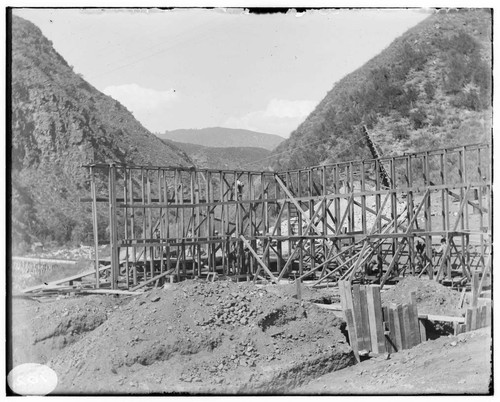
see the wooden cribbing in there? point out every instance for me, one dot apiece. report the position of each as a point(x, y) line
point(405, 329)
point(478, 316)
point(376, 329)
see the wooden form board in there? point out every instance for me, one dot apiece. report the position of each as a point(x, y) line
point(478, 317)
point(404, 329)
point(363, 311)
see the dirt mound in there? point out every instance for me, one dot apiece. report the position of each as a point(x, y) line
point(449, 365)
point(41, 330)
point(432, 297)
point(199, 337)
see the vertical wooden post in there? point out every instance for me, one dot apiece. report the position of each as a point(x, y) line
point(167, 222)
point(324, 212)
point(144, 230)
point(465, 220)
point(312, 243)
point(409, 182)
point(427, 210)
point(132, 226)
point(150, 225)
point(480, 203)
point(363, 199)
point(161, 200)
point(378, 169)
point(350, 183)
point(394, 210)
point(95, 225)
point(115, 265)
point(222, 223)
point(279, 257)
point(210, 225)
point(125, 213)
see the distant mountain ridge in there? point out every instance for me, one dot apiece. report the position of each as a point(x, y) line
point(431, 88)
point(60, 122)
point(225, 158)
point(223, 137)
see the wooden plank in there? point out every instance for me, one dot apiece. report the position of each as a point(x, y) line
point(356, 312)
point(405, 327)
point(392, 327)
point(423, 332)
point(365, 323)
point(110, 291)
point(475, 288)
point(413, 312)
point(488, 316)
point(468, 320)
point(348, 295)
point(482, 319)
point(154, 279)
point(375, 318)
point(352, 333)
point(67, 279)
point(444, 318)
point(389, 345)
point(396, 312)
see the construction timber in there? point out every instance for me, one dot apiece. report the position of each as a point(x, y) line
point(364, 221)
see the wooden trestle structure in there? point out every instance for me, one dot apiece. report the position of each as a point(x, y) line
point(370, 221)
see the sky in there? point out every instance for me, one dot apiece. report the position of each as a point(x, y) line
point(196, 68)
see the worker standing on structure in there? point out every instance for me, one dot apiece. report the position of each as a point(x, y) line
point(239, 186)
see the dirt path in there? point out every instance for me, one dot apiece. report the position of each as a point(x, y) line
point(448, 365)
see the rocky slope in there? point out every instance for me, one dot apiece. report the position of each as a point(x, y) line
point(223, 137)
point(59, 122)
point(430, 88)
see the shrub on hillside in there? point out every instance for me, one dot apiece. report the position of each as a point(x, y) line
point(430, 90)
point(400, 132)
point(418, 118)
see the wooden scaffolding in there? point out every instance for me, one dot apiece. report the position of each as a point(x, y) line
point(369, 221)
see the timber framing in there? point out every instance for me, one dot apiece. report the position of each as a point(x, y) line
point(369, 221)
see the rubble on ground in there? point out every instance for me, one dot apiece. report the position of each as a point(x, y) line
point(198, 337)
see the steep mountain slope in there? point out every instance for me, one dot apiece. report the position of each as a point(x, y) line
point(223, 137)
point(244, 158)
point(60, 122)
point(430, 88)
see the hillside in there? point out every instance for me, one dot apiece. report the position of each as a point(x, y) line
point(430, 88)
point(59, 122)
point(223, 137)
point(237, 158)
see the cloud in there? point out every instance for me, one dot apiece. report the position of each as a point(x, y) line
point(280, 117)
point(289, 109)
point(137, 98)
